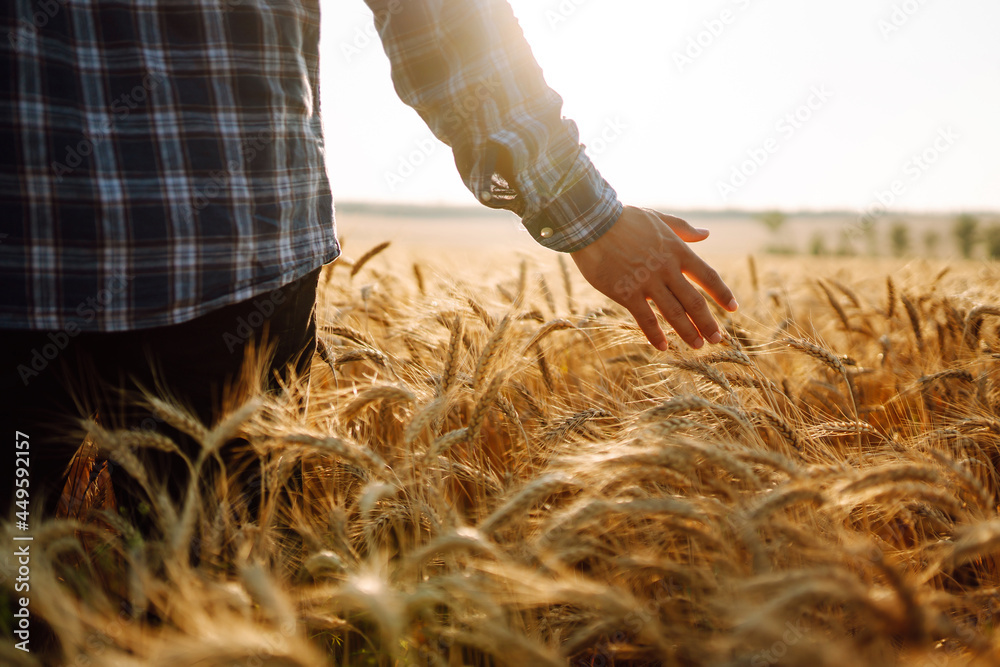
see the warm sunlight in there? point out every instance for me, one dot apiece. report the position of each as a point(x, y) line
point(726, 392)
point(728, 104)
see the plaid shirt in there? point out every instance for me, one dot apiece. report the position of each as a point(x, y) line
point(162, 159)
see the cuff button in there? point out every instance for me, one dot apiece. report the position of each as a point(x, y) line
point(546, 232)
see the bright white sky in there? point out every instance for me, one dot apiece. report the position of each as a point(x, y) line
point(678, 129)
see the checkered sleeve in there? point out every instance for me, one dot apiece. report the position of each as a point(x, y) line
point(467, 70)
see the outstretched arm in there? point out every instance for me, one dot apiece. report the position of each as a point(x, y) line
point(466, 68)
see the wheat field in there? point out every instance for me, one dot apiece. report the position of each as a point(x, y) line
point(499, 470)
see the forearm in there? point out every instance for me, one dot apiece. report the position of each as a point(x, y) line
point(467, 70)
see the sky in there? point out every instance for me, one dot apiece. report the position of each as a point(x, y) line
point(752, 104)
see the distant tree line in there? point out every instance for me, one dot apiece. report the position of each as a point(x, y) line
point(966, 230)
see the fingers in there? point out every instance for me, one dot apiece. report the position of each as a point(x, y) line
point(711, 282)
point(646, 319)
point(683, 228)
point(684, 307)
point(695, 308)
point(680, 315)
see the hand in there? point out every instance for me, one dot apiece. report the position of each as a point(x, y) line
point(645, 256)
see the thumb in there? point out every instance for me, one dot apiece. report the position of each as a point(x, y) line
point(683, 228)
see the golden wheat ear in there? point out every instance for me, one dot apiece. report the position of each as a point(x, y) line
point(88, 486)
point(78, 480)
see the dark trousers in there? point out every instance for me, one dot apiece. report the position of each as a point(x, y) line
point(50, 381)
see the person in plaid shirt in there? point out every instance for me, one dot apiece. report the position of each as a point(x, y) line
point(162, 176)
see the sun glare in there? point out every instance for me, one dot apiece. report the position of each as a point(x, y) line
point(672, 99)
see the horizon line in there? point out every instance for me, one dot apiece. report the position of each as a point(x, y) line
point(453, 208)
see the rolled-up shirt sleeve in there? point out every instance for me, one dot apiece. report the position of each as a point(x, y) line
point(466, 69)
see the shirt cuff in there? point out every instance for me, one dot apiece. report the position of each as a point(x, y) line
point(577, 217)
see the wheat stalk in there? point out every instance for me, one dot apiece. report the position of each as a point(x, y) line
point(890, 298)
point(481, 312)
point(819, 353)
point(178, 418)
point(914, 317)
point(451, 356)
point(424, 417)
point(418, 275)
point(489, 352)
point(483, 405)
point(783, 498)
point(834, 362)
point(361, 261)
point(973, 322)
point(384, 393)
point(832, 300)
point(727, 356)
point(522, 284)
point(521, 502)
point(340, 448)
point(842, 427)
point(343, 331)
point(543, 368)
point(710, 373)
point(567, 284)
point(782, 427)
point(557, 432)
point(545, 330)
point(550, 300)
point(949, 374)
point(361, 354)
